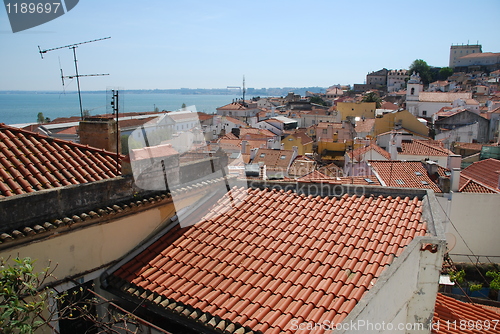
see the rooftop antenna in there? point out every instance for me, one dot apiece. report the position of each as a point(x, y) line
point(77, 75)
point(244, 90)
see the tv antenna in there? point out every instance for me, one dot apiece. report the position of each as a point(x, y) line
point(77, 75)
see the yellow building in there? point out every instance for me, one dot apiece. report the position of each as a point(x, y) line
point(354, 109)
point(299, 139)
point(401, 119)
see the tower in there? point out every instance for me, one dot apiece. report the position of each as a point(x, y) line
point(413, 90)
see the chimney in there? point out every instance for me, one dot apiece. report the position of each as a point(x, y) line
point(253, 153)
point(454, 161)
point(101, 133)
point(295, 153)
point(455, 179)
point(269, 144)
point(262, 172)
point(244, 144)
point(498, 185)
point(282, 146)
point(431, 166)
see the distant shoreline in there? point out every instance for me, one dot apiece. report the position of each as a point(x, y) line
point(188, 91)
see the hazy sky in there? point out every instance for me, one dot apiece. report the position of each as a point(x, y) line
point(212, 44)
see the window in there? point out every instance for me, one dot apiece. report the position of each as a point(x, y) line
point(424, 183)
point(399, 181)
point(262, 155)
point(325, 131)
point(412, 92)
point(369, 180)
point(283, 157)
point(418, 174)
point(424, 112)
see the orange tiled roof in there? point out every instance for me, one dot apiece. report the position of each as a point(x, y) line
point(485, 171)
point(304, 138)
point(273, 158)
point(453, 316)
point(406, 174)
point(31, 162)
point(424, 148)
point(274, 257)
point(362, 150)
point(468, 185)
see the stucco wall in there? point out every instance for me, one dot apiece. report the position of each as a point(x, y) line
point(475, 218)
point(88, 248)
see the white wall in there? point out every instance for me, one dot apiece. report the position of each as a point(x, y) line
point(475, 217)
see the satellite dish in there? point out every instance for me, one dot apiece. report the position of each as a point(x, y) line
point(451, 241)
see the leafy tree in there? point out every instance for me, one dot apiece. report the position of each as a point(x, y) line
point(183, 106)
point(24, 306)
point(420, 66)
point(21, 301)
point(40, 118)
point(372, 97)
point(445, 73)
point(317, 100)
point(86, 113)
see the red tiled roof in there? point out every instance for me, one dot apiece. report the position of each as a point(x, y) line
point(254, 133)
point(406, 174)
point(233, 106)
point(366, 125)
point(276, 256)
point(424, 148)
point(485, 171)
point(273, 158)
point(304, 138)
point(314, 175)
point(453, 316)
point(468, 185)
point(31, 162)
point(363, 150)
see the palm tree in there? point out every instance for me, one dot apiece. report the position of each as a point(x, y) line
point(372, 97)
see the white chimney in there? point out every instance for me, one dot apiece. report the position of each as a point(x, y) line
point(454, 161)
point(244, 144)
point(455, 179)
point(431, 166)
point(269, 143)
point(263, 172)
point(282, 146)
point(253, 153)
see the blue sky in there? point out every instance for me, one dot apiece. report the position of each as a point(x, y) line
point(212, 44)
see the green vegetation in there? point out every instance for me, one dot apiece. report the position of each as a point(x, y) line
point(22, 300)
point(372, 97)
point(317, 100)
point(428, 73)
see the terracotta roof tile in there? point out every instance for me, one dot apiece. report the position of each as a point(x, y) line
point(317, 264)
point(485, 172)
point(406, 174)
point(31, 162)
point(424, 148)
point(453, 316)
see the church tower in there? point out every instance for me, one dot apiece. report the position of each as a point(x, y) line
point(413, 90)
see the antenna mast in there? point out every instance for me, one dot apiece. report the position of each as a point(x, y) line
point(244, 90)
point(77, 76)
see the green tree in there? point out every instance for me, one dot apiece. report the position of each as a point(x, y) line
point(183, 107)
point(372, 97)
point(445, 73)
point(420, 66)
point(24, 306)
point(86, 113)
point(40, 118)
point(317, 100)
point(21, 300)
